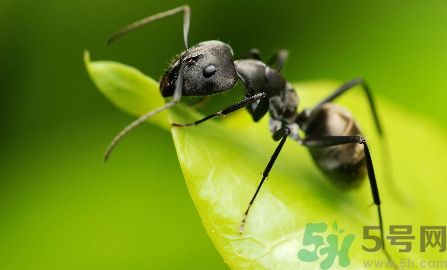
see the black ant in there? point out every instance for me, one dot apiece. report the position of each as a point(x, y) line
point(332, 136)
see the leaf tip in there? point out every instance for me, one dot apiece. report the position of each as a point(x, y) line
point(86, 57)
point(87, 62)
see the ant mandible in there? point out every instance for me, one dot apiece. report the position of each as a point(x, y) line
point(332, 136)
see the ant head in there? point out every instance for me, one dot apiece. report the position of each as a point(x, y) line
point(209, 70)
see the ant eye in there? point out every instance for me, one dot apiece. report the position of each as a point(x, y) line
point(209, 71)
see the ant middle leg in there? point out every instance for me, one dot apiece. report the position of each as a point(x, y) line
point(280, 134)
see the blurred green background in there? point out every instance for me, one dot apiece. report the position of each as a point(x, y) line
point(62, 208)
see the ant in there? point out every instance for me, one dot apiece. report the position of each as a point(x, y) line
point(333, 137)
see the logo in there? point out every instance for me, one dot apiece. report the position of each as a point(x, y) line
point(329, 246)
point(326, 246)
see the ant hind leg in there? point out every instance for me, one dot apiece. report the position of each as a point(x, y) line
point(328, 141)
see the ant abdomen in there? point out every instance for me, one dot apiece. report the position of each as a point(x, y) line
point(343, 164)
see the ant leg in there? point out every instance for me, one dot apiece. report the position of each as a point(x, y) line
point(175, 99)
point(280, 134)
point(341, 90)
point(257, 111)
point(279, 59)
point(327, 141)
point(226, 111)
point(386, 164)
point(138, 24)
point(254, 53)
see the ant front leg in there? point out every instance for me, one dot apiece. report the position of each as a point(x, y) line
point(224, 112)
point(328, 141)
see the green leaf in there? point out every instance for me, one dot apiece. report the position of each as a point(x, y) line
point(126, 87)
point(222, 161)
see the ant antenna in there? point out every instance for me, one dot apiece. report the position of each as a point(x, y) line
point(138, 24)
point(176, 98)
point(179, 83)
